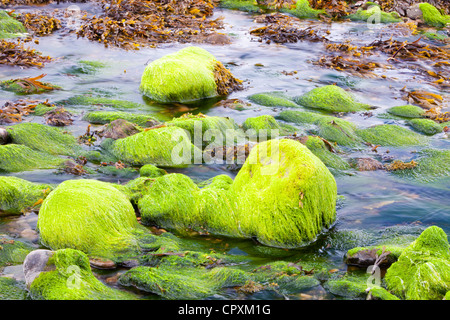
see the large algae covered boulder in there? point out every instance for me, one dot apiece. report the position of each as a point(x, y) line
point(10, 27)
point(330, 98)
point(17, 194)
point(16, 158)
point(163, 147)
point(187, 75)
point(283, 196)
point(65, 275)
point(422, 271)
point(91, 216)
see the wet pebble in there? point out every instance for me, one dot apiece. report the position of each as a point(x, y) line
point(4, 136)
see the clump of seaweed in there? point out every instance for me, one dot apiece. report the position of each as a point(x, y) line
point(15, 54)
point(40, 24)
point(225, 81)
point(12, 112)
point(29, 85)
point(58, 117)
point(400, 165)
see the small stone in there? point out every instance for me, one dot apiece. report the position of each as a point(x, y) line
point(4, 136)
point(368, 164)
point(29, 234)
point(35, 263)
point(100, 263)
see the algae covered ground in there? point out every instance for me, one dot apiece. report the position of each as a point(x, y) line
point(224, 150)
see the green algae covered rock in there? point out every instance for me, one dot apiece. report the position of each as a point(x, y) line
point(17, 194)
point(284, 196)
point(12, 252)
point(407, 111)
point(391, 135)
point(432, 16)
point(87, 100)
point(187, 75)
point(44, 138)
point(330, 128)
point(241, 5)
point(332, 160)
point(105, 117)
point(11, 289)
point(422, 271)
point(90, 216)
point(17, 158)
point(303, 10)
point(330, 98)
point(67, 275)
point(164, 147)
point(150, 171)
point(10, 27)
point(263, 126)
point(374, 14)
point(425, 126)
point(363, 256)
point(272, 99)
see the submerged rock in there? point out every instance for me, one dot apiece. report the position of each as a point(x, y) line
point(187, 75)
point(11, 289)
point(284, 196)
point(12, 252)
point(90, 216)
point(17, 194)
point(273, 99)
point(65, 275)
point(422, 271)
point(425, 126)
point(105, 117)
point(391, 135)
point(330, 98)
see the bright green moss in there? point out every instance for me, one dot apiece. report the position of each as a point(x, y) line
point(391, 135)
point(16, 194)
point(330, 128)
point(447, 296)
point(11, 289)
point(17, 158)
point(10, 27)
point(432, 165)
point(303, 10)
point(435, 36)
point(104, 117)
point(84, 100)
point(272, 99)
point(241, 5)
point(12, 252)
point(71, 278)
point(150, 171)
point(44, 138)
point(407, 111)
point(432, 16)
point(91, 216)
point(283, 195)
point(163, 147)
point(422, 271)
point(425, 126)
point(330, 98)
point(42, 109)
point(184, 76)
point(375, 15)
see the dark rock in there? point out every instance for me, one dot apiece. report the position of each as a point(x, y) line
point(101, 263)
point(119, 129)
point(35, 263)
point(4, 136)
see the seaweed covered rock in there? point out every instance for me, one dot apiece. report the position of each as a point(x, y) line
point(12, 252)
point(284, 196)
point(10, 289)
point(17, 194)
point(330, 128)
point(10, 27)
point(17, 158)
point(151, 171)
point(374, 14)
point(89, 100)
point(165, 147)
point(425, 126)
point(105, 117)
point(432, 16)
point(391, 135)
point(187, 75)
point(303, 10)
point(264, 127)
point(44, 138)
point(422, 271)
point(241, 5)
point(407, 111)
point(272, 99)
point(90, 216)
point(330, 98)
point(65, 275)
point(366, 256)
